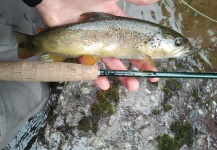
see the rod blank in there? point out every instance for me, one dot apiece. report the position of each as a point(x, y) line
point(152, 74)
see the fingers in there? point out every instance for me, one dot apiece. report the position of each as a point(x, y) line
point(144, 65)
point(131, 83)
point(142, 2)
point(102, 82)
point(118, 11)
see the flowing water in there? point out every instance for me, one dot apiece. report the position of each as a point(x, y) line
point(202, 33)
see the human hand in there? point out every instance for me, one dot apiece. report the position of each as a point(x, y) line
point(59, 12)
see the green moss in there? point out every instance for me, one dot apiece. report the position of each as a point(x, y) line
point(178, 63)
point(111, 94)
point(84, 124)
point(105, 104)
point(102, 107)
point(183, 134)
point(65, 129)
point(173, 84)
point(51, 118)
point(94, 127)
point(195, 93)
point(167, 107)
point(88, 123)
point(157, 64)
point(40, 135)
point(171, 87)
point(164, 69)
point(165, 142)
point(104, 101)
point(156, 112)
point(165, 89)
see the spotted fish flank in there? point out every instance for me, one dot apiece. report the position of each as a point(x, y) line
point(104, 35)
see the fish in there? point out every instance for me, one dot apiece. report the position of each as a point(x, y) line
point(96, 35)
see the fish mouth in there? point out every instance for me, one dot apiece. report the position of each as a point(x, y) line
point(181, 52)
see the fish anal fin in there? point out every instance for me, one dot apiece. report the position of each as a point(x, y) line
point(52, 57)
point(94, 16)
point(149, 60)
point(88, 60)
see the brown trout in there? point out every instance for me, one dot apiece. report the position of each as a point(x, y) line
point(97, 35)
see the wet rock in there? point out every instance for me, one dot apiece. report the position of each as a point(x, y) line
point(172, 114)
point(87, 117)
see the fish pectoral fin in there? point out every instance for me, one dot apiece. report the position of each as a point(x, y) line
point(149, 60)
point(52, 57)
point(94, 16)
point(88, 60)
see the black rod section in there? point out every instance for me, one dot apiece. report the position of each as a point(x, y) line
point(152, 74)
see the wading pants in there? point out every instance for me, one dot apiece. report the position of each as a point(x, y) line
point(18, 100)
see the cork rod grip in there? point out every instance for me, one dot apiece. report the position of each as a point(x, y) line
point(46, 71)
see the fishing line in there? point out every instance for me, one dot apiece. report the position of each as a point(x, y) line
point(198, 11)
point(194, 33)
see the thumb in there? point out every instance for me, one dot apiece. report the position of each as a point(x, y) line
point(119, 12)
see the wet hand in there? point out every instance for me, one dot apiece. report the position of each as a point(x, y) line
point(68, 11)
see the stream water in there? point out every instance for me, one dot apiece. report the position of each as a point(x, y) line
point(198, 29)
point(202, 33)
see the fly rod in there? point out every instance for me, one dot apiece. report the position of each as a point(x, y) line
point(29, 71)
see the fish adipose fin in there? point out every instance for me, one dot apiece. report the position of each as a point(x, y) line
point(94, 16)
point(52, 57)
point(88, 60)
point(149, 60)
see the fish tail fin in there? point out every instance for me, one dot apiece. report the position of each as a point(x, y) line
point(23, 51)
point(21, 37)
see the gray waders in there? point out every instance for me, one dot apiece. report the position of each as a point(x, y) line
point(18, 100)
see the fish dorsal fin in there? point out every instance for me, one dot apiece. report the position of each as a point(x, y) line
point(95, 16)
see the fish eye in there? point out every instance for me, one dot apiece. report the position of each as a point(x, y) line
point(178, 41)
